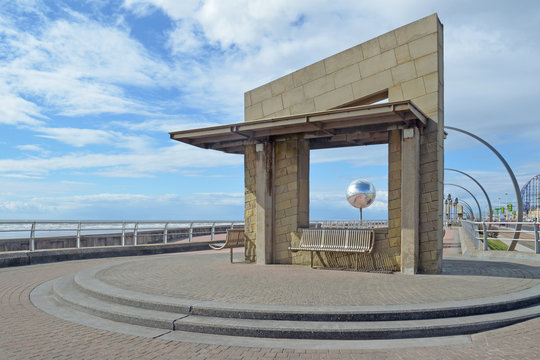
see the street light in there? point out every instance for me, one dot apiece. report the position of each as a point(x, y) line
point(455, 209)
point(507, 217)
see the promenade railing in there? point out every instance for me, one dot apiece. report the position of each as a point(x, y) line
point(29, 235)
point(349, 224)
point(481, 232)
point(31, 232)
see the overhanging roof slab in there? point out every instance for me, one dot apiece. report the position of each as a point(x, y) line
point(351, 126)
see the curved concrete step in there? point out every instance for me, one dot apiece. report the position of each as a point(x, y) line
point(65, 292)
point(68, 290)
point(87, 282)
point(354, 330)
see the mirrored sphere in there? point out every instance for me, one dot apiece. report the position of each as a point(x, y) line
point(361, 193)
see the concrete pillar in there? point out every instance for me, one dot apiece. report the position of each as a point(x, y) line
point(264, 208)
point(410, 200)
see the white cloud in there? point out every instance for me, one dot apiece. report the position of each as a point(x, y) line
point(175, 9)
point(168, 159)
point(166, 125)
point(31, 147)
point(75, 67)
point(78, 137)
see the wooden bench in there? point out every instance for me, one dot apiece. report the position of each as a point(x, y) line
point(336, 240)
point(234, 238)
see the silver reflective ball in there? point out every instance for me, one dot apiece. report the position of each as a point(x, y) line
point(361, 193)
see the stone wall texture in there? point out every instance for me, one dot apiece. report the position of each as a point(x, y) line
point(249, 209)
point(291, 194)
point(403, 64)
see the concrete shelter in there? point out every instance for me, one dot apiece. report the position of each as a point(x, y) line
point(336, 102)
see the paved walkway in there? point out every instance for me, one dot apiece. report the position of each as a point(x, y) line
point(28, 333)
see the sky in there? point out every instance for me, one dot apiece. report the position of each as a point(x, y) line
point(90, 89)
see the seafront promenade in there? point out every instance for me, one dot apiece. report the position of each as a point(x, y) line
point(28, 332)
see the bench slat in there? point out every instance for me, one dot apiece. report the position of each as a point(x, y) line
point(340, 240)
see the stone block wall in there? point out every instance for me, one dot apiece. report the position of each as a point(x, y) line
point(403, 64)
point(394, 189)
point(249, 209)
point(291, 194)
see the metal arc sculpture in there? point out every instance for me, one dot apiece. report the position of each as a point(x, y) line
point(514, 182)
point(481, 187)
point(470, 193)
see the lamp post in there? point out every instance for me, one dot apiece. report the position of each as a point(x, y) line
point(455, 209)
point(449, 209)
point(507, 215)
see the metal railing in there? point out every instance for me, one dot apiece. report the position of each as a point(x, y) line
point(348, 224)
point(479, 232)
point(32, 231)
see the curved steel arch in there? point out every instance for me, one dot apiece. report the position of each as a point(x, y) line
point(514, 182)
point(481, 187)
point(470, 193)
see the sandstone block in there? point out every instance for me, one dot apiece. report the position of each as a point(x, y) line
point(319, 86)
point(395, 93)
point(309, 73)
point(282, 84)
point(426, 64)
point(293, 96)
point(334, 98)
point(424, 46)
point(371, 48)
point(404, 72)
point(378, 63)
point(387, 41)
point(372, 84)
point(272, 105)
point(413, 88)
point(343, 59)
point(402, 54)
point(261, 93)
point(347, 75)
point(417, 29)
point(253, 112)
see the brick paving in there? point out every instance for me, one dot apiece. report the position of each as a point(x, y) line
point(28, 333)
point(211, 277)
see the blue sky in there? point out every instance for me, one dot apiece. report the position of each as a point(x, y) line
point(90, 89)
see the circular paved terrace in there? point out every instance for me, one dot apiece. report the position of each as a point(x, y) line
point(211, 277)
point(27, 332)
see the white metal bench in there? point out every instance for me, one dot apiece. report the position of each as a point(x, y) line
point(234, 238)
point(336, 240)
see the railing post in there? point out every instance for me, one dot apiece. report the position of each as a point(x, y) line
point(135, 229)
point(32, 237)
point(79, 235)
point(165, 233)
point(485, 236)
point(190, 232)
point(123, 234)
point(213, 231)
point(536, 239)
